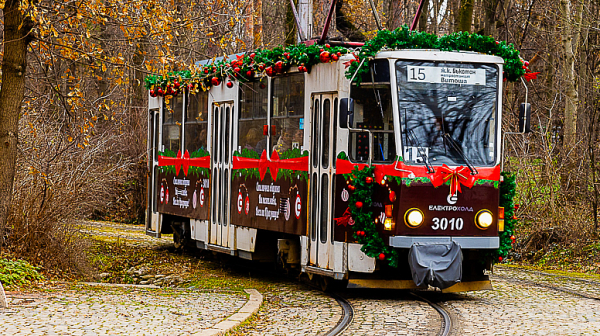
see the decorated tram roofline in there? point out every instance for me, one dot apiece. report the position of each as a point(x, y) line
point(279, 60)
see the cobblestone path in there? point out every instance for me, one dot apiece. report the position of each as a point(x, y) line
point(128, 311)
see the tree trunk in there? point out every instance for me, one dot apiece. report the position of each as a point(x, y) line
point(344, 26)
point(489, 25)
point(423, 16)
point(16, 38)
point(257, 24)
point(464, 16)
point(570, 39)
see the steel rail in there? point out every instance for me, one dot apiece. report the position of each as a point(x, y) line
point(345, 320)
point(446, 320)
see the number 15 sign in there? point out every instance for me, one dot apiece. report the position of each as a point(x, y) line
point(445, 75)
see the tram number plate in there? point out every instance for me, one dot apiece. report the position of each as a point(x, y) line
point(445, 223)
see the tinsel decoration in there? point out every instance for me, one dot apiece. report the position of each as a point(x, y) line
point(404, 38)
point(365, 228)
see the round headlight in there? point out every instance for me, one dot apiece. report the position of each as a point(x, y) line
point(413, 218)
point(483, 219)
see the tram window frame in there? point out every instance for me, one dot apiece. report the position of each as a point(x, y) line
point(172, 119)
point(253, 116)
point(287, 113)
point(385, 129)
point(196, 102)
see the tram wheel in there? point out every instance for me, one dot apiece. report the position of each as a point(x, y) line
point(181, 235)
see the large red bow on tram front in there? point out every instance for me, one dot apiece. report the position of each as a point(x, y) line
point(460, 175)
point(272, 165)
point(184, 161)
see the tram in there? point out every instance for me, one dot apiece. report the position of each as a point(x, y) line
point(263, 170)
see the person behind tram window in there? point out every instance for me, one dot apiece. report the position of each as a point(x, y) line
point(284, 142)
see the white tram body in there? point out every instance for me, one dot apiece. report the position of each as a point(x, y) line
point(257, 165)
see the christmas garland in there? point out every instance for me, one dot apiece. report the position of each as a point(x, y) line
point(365, 228)
point(507, 194)
point(280, 59)
point(404, 38)
point(243, 68)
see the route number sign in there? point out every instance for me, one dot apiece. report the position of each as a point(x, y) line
point(445, 75)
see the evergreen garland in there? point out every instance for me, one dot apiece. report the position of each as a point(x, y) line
point(365, 229)
point(507, 194)
point(280, 59)
point(404, 38)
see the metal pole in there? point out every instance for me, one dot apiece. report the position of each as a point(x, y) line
point(328, 21)
point(379, 27)
point(416, 19)
point(297, 19)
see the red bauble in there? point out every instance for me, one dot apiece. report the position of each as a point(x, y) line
point(381, 256)
point(215, 81)
point(368, 179)
point(351, 187)
point(526, 63)
point(516, 207)
point(176, 85)
point(249, 74)
point(261, 67)
point(152, 93)
point(229, 84)
point(206, 70)
point(301, 68)
point(339, 54)
point(252, 55)
point(327, 46)
point(359, 204)
point(334, 57)
point(392, 196)
point(190, 86)
point(236, 69)
point(278, 66)
point(500, 258)
point(324, 57)
point(269, 71)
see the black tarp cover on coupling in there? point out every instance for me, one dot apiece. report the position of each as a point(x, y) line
point(438, 265)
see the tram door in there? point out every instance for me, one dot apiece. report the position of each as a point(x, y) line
point(222, 113)
point(321, 249)
point(152, 216)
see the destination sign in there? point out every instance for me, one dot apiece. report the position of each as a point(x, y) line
point(445, 75)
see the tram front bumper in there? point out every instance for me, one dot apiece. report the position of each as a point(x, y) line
point(477, 243)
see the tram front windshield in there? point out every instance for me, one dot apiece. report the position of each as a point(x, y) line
point(448, 112)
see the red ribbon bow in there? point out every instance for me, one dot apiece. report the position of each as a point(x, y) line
point(345, 219)
point(460, 175)
point(184, 161)
point(272, 165)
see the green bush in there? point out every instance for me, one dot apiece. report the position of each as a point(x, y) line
point(18, 272)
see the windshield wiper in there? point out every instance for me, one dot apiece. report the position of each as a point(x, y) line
point(413, 141)
point(457, 148)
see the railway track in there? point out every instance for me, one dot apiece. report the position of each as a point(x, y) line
point(446, 320)
point(345, 320)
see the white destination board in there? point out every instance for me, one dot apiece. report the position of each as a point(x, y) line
point(445, 75)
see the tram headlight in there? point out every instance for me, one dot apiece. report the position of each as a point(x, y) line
point(413, 218)
point(484, 219)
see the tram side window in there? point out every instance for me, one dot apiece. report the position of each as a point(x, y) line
point(196, 123)
point(253, 117)
point(171, 132)
point(373, 112)
point(287, 114)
